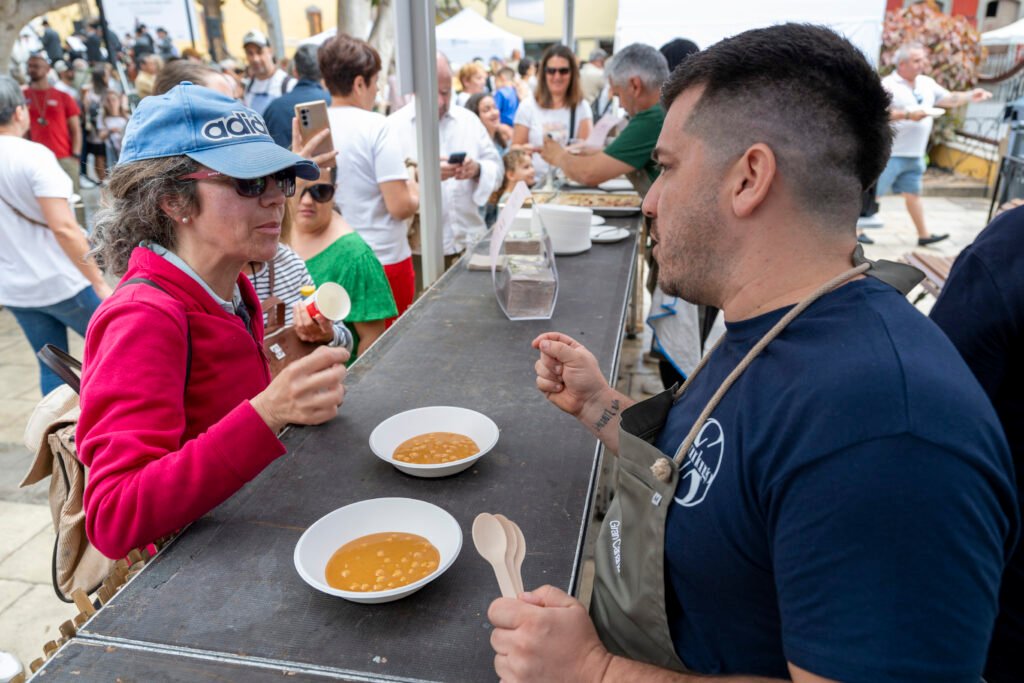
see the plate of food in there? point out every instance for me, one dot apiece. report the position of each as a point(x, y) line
point(435, 441)
point(378, 550)
point(934, 111)
point(605, 204)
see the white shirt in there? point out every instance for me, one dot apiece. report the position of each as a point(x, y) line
point(260, 93)
point(541, 121)
point(367, 156)
point(911, 137)
point(34, 270)
point(459, 131)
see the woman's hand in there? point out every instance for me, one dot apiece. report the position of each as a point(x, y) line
point(309, 329)
point(307, 392)
point(306, 149)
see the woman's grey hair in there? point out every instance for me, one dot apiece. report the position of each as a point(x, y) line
point(11, 98)
point(903, 53)
point(642, 61)
point(132, 210)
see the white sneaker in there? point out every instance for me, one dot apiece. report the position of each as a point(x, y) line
point(10, 666)
point(652, 385)
point(872, 221)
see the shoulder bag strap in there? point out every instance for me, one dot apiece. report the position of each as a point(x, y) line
point(572, 124)
point(188, 328)
point(63, 364)
point(22, 216)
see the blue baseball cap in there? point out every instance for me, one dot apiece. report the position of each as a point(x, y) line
point(211, 128)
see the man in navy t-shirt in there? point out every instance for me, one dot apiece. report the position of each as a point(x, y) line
point(847, 508)
point(981, 309)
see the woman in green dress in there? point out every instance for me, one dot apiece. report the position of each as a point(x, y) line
point(334, 252)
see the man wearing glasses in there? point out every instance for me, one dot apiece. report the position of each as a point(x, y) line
point(915, 98)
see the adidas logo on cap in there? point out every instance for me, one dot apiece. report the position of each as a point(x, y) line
point(239, 125)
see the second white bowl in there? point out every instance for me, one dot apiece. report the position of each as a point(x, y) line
point(393, 431)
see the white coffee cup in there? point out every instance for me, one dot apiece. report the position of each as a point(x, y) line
point(329, 300)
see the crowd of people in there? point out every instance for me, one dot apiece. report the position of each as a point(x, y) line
point(838, 505)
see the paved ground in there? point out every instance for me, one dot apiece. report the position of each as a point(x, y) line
point(29, 610)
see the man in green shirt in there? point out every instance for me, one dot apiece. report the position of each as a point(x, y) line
point(635, 75)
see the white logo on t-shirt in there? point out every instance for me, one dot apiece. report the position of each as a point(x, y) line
point(700, 467)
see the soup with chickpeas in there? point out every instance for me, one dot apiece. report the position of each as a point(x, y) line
point(380, 562)
point(436, 448)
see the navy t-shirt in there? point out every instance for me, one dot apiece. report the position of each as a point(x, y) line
point(981, 309)
point(848, 506)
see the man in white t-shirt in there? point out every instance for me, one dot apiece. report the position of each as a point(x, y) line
point(266, 82)
point(465, 186)
point(914, 97)
point(45, 279)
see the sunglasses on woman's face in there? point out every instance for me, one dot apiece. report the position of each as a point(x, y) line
point(251, 187)
point(321, 193)
point(561, 70)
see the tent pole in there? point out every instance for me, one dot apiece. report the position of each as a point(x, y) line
point(569, 24)
point(424, 69)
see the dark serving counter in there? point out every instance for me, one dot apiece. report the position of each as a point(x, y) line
point(224, 600)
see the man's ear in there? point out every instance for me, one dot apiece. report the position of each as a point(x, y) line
point(751, 178)
point(636, 85)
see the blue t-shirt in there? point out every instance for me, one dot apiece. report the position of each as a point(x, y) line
point(848, 506)
point(281, 111)
point(507, 101)
point(981, 310)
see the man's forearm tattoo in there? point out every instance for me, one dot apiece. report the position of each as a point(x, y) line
point(607, 414)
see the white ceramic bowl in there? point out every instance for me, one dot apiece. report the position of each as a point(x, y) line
point(390, 434)
point(567, 226)
point(378, 515)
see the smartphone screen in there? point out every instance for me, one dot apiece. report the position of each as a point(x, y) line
point(456, 158)
point(312, 118)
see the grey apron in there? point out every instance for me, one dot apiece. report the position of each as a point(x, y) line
point(628, 603)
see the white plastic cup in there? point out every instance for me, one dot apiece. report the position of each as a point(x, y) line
point(329, 300)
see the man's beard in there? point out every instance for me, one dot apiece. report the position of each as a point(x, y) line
point(697, 264)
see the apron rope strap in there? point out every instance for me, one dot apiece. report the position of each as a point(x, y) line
point(661, 467)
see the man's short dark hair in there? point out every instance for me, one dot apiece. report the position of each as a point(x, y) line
point(305, 63)
point(342, 58)
point(524, 65)
point(804, 91)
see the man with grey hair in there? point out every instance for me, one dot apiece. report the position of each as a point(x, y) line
point(592, 75)
point(914, 99)
point(281, 111)
point(635, 75)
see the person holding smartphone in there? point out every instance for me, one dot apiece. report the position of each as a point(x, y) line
point(376, 196)
point(280, 112)
point(471, 169)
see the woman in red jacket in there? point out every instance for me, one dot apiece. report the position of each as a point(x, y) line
point(178, 410)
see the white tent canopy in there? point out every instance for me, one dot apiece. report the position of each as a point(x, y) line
point(655, 22)
point(468, 35)
point(1007, 35)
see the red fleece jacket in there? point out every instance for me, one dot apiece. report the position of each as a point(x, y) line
point(162, 454)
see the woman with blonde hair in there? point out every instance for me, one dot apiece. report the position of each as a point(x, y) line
point(558, 108)
point(473, 78)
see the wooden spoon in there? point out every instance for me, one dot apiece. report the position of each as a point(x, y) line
point(511, 551)
point(517, 563)
point(491, 542)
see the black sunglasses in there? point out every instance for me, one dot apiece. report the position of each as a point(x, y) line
point(552, 70)
point(321, 193)
point(252, 187)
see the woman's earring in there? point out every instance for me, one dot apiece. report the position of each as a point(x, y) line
point(184, 219)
